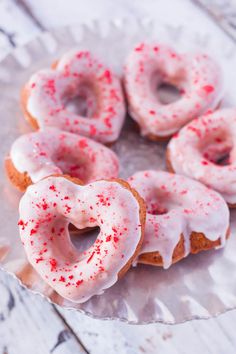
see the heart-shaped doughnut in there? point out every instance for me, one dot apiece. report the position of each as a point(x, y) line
point(197, 78)
point(183, 216)
point(40, 154)
point(47, 97)
point(47, 208)
point(205, 149)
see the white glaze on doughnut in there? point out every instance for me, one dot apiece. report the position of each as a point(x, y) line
point(53, 151)
point(47, 208)
point(78, 74)
point(178, 205)
point(197, 77)
point(194, 149)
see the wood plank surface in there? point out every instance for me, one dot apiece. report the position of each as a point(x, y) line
point(28, 323)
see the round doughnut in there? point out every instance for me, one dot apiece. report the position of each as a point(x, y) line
point(183, 217)
point(47, 208)
point(37, 155)
point(196, 76)
point(205, 150)
point(47, 97)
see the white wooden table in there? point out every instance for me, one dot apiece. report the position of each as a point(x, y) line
point(28, 324)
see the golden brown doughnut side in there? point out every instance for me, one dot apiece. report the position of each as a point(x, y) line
point(150, 136)
point(23, 100)
point(154, 258)
point(231, 206)
point(198, 242)
point(72, 179)
point(157, 138)
point(168, 163)
point(142, 216)
point(20, 180)
point(54, 64)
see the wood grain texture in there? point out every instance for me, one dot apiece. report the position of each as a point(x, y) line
point(15, 26)
point(28, 324)
point(192, 337)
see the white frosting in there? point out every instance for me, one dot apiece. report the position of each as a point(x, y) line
point(47, 208)
point(198, 145)
point(78, 74)
point(177, 205)
point(197, 77)
point(53, 151)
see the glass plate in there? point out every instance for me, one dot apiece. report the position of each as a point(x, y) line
point(200, 286)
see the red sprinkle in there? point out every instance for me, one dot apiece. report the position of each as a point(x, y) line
point(52, 188)
point(44, 205)
point(79, 282)
point(175, 135)
point(89, 259)
point(62, 279)
point(22, 224)
point(204, 162)
point(139, 48)
point(93, 130)
point(107, 75)
point(53, 264)
point(195, 130)
point(32, 231)
point(208, 88)
point(50, 87)
point(218, 140)
point(83, 144)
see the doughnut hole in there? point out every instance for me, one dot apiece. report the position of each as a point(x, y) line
point(81, 99)
point(83, 239)
point(160, 201)
point(168, 93)
point(168, 90)
point(217, 149)
point(73, 164)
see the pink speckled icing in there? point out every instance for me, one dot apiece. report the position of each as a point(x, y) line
point(78, 74)
point(47, 208)
point(53, 151)
point(198, 147)
point(197, 77)
point(178, 205)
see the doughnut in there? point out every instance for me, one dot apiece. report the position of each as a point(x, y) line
point(47, 208)
point(197, 78)
point(183, 217)
point(39, 154)
point(47, 97)
point(205, 150)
